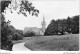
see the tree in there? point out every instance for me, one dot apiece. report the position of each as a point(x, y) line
point(6, 43)
point(75, 24)
point(4, 4)
point(64, 26)
point(60, 27)
point(18, 35)
point(23, 6)
point(29, 34)
point(52, 28)
point(68, 21)
point(7, 31)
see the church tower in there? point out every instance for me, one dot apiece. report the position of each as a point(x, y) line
point(43, 23)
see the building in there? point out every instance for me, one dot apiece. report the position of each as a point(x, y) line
point(43, 23)
point(37, 31)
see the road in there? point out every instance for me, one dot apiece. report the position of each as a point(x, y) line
point(20, 47)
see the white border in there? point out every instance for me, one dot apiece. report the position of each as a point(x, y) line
point(40, 52)
point(45, 52)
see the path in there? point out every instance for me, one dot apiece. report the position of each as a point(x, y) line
point(20, 47)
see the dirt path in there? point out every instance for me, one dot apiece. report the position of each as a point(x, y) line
point(20, 47)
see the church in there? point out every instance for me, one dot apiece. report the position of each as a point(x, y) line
point(37, 31)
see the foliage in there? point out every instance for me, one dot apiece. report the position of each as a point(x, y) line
point(29, 34)
point(6, 43)
point(8, 32)
point(4, 4)
point(27, 6)
point(63, 26)
point(23, 6)
point(18, 35)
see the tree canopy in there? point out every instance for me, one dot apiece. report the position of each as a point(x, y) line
point(8, 32)
point(60, 26)
point(21, 6)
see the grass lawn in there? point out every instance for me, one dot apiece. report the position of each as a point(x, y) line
point(52, 43)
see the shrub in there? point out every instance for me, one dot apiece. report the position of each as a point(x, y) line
point(29, 34)
point(17, 36)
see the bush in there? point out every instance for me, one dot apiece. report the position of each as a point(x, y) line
point(29, 34)
point(17, 36)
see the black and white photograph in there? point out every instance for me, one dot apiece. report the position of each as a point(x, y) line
point(39, 25)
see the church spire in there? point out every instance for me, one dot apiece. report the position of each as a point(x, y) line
point(43, 24)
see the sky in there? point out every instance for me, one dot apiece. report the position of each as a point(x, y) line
point(49, 9)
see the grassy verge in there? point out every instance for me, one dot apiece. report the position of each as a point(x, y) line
point(53, 43)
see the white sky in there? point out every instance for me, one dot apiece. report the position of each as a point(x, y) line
point(52, 9)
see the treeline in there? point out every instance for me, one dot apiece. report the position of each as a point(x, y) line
point(63, 26)
point(9, 33)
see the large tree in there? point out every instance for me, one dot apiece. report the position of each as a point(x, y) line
point(6, 30)
point(22, 7)
point(69, 25)
point(6, 43)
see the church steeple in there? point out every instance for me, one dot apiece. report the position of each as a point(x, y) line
point(43, 24)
